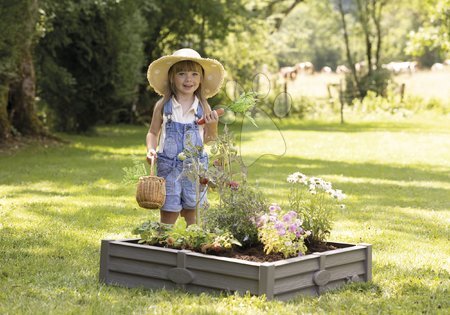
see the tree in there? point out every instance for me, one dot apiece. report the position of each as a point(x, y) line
point(434, 34)
point(18, 113)
point(90, 60)
point(368, 13)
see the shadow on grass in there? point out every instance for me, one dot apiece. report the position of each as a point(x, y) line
point(292, 124)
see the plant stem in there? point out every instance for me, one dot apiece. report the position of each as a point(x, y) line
point(197, 195)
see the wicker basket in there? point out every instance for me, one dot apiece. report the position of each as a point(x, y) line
point(151, 190)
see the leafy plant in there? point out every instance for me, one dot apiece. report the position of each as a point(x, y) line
point(314, 199)
point(239, 203)
point(182, 236)
point(243, 104)
point(132, 173)
point(237, 212)
point(282, 232)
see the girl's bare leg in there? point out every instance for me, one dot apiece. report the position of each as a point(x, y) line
point(168, 217)
point(188, 215)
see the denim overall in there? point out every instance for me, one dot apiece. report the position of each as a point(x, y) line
point(180, 190)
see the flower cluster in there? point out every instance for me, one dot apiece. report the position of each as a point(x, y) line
point(281, 232)
point(314, 184)
point(313, 199)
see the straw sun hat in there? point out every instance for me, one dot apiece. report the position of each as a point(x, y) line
point(214, 72)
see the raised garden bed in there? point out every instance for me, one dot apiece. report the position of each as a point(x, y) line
point(127, 263)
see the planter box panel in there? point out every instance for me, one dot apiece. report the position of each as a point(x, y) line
point(346, 271)
point(234, 267)
point(135, 281)
point(294, 282)
point(130, 264)
point(143, 253)
point(140, 268)
point(295, 266)
point(344, 256)
point(229, 283)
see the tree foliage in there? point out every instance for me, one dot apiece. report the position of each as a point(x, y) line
point(89, 61)
point(434, 34)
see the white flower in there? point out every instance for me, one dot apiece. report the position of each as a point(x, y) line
point(296, 177)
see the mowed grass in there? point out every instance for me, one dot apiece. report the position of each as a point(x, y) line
point(58, 202)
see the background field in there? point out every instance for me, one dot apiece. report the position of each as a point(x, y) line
point(426, 84)
point(58, 202)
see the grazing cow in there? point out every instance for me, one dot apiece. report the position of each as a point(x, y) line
point(326, 69)
point(437, 67)
point(288, 73)
point(360, 66)
point(401, 67)
point(305, 67)
point(342, 69)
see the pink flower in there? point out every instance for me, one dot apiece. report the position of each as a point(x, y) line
point(233, 185)
point(293, 228)
point(260, 221)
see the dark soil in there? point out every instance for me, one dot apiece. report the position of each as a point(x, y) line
point(256, 253)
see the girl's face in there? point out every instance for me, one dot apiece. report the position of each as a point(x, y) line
point(185, 77)
point(187, 82)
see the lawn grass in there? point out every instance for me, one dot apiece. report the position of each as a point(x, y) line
point(58, 202)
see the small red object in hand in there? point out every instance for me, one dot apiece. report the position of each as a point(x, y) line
point(219, 111)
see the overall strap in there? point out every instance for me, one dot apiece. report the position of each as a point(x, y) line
point(168, 110)
point(199, 112)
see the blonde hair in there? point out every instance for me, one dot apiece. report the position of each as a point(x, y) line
point(183, 66)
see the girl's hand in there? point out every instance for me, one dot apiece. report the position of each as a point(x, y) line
point(213, 117)
point(151, 155)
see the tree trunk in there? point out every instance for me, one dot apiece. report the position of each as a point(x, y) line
point(347, 48)
point(365, 24)
point(376, 17)
point(5, 126)
point(22, 94)
point(22, 91)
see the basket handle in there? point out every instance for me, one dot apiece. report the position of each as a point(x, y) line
point(152, 166)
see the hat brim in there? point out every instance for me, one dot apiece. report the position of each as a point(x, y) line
point(158, 70)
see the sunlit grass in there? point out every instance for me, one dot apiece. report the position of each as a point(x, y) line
point(58, 202)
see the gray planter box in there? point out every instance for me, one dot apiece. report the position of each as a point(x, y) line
point(127, 263)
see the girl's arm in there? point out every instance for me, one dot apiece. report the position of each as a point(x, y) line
point(154, 130)
point(210, 129)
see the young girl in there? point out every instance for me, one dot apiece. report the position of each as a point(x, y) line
point(185, 80)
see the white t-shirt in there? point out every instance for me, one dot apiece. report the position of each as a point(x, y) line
point(177, 116)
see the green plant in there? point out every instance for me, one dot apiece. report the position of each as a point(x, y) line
point(314, 200)
point(132, 173)
point(237, 212)
point(282, 232)
point(243, 104)
point(182, 236)
point(239, 203)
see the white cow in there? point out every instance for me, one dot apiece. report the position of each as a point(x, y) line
point(437, 67)
point(305, 67)
point(326, 69)
point(342, 69)
point(288, 73)
point(401, 66)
